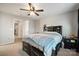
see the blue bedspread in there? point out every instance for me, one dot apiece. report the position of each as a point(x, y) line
point(47, 41)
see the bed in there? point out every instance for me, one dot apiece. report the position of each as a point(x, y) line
point(44, 44)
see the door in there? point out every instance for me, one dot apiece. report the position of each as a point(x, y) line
point(16, 31)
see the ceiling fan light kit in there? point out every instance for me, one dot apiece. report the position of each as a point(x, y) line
point(32, 10)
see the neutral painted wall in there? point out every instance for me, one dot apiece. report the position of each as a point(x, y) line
point(7, 21)
point(75, 23)
point(67, 20)
point(28, 27)
point(31, 26)
point(7, 28)
point(25, 28)
point(37, 26)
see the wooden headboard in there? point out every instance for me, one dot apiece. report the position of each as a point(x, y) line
point(53, 29)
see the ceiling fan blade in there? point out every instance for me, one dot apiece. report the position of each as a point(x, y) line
point(30, 5)
point(24, 9)
point(36, 13)
point(33, 8)
point(41, 10)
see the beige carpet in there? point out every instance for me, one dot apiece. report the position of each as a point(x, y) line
point(16, 50)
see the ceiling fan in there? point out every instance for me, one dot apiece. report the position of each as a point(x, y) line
point(32, 9)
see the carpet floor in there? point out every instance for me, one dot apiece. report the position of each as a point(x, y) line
point(16, 50)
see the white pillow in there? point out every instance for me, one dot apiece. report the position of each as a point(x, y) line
point(49, 32)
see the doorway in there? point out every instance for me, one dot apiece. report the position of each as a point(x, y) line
point(17, 30)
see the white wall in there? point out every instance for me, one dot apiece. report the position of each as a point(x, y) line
point(75, 23)
point(68, 21)
point(25, 28)
point(6, 29)
point(7, 22)
point(31, 26)
point(28, 27)
point(37, 26)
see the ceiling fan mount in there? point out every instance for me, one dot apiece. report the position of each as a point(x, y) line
point(32, 9)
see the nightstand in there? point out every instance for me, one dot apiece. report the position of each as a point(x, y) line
point(70, 43)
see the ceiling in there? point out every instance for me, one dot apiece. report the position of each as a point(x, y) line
point(50, 9)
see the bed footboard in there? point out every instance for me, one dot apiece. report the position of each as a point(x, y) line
point(33, 51)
